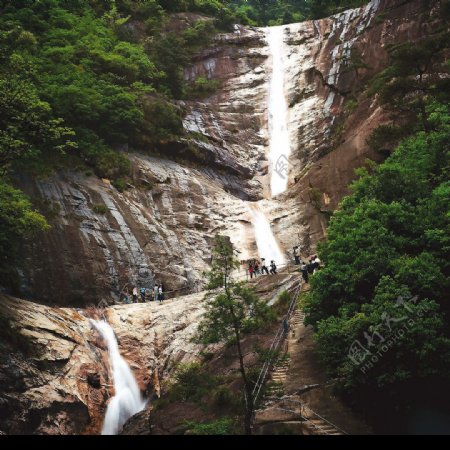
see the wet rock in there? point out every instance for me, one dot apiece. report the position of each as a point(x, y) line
point(94, 380)
point(54, 367)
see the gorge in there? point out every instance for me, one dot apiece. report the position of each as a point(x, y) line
point(264, 158)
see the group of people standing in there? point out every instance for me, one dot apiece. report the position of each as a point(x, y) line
point(309, 268)
point(155, 294)
point(256, 267)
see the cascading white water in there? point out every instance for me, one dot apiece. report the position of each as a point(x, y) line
point(279, 143)
point(268, 247)
point(127, 399)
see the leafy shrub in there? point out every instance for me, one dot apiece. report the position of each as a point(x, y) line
point(192, 383)
point(223, 396)
point(100, 209)
point(219, 427)
point(202, 87)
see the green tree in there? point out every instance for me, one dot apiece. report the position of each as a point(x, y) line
point(412, 80)
point(233, 309)
point(18, 221)
point(27, 125)
point(390, 238)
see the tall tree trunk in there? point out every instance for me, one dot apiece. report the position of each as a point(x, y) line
point(248, 390)
point(247, 387)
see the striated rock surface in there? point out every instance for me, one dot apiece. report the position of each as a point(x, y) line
point(331, 116)
point(55, 373)
point(161, 228)
point(54, 367)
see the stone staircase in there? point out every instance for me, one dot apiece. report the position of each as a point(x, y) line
point(318, 424)
point(297, 319)
point(276, 406)
point(278, 377)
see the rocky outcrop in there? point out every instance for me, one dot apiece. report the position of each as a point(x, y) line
point(161, 228)
point(331, 116)
point(54, 368)
point(102, 240)
point(331, 63)
point(55, 372)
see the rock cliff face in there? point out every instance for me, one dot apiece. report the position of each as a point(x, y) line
point(55, 371)
point(54, 367)
point(161, 227)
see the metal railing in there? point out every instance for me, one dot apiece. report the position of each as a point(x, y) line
point(279, 336)
point(305, 409)
point(196, 286)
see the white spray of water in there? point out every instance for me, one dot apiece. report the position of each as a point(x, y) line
point(268, 247)
point(127, 400)
point(279, 143)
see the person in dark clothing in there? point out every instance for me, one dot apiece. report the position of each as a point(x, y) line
point(316, 263)
point(143, 291)
point(285, 326)
point(304, 270)
point(126, 297)
point(296, 256)
point(310, 267)
point(273, 268)
point(264, 267)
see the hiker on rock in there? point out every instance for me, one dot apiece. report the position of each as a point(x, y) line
point(160, 294)
point(316, 263)
point(310, 267)
point(126, 297)
point(264, 267)
point(143, 292)
point(285, 326)
point(155, 292)
point(257, 271)
point(251, 269)
point(135, 294)
point(304, 270)
point(273, 268)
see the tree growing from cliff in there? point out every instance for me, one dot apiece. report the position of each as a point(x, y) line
point(417, 75)
point(18, 221)
point(233, 310)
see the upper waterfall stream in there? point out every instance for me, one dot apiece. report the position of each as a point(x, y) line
point(279, 143)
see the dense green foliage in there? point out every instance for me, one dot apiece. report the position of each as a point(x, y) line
point(83, 81)
point(389, 243)
point(380, 306)
point(221, 427)
point(413, 77)
point(278, 12)
point(18, 220)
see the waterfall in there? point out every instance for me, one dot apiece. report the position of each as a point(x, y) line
point(279, 145)
point(268, 247)
point(127, 399)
